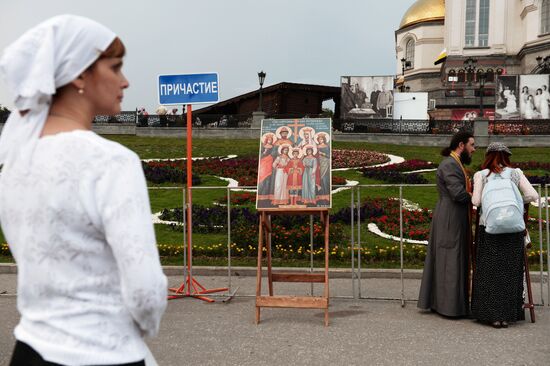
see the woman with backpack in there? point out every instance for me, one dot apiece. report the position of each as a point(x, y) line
point(497, 289)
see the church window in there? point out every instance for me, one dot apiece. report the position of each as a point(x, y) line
point(490, 76)
point(409, 52)
point(545, 17)
point(461, 76)
point(477, 23)
point(451, 76)
point(470, 23)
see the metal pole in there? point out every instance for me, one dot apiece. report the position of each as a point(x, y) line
point(311, 249)
point(184, 213)
point(541, 256)
point(352, 247)
point(189, 198)
point(480, 99)
point(359, 239)
point(401, 244)
point(229, 240)
point(261, 100)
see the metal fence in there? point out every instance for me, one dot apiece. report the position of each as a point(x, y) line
point(402, 126)
point(356, 244)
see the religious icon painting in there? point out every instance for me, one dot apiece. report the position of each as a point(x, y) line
point(294, 164)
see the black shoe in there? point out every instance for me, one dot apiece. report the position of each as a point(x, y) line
point(497, 324)
point(504, 324)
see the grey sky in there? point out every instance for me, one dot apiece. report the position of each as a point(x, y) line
point(303, 41)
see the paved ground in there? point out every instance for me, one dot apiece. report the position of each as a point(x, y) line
point(362, 332)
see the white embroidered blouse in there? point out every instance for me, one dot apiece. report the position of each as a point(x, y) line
point(78, 222)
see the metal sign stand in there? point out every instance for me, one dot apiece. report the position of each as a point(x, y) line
point(189, 282)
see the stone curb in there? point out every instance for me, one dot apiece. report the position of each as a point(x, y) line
point(414, 274)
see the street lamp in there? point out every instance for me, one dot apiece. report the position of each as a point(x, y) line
point(482, 77)
point(405, 64)
point(470, 66)
point(261, 78)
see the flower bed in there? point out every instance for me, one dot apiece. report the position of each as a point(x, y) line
point(531, 165)
point(411, 253)
point(357, 158)
point(167, 172)
point(245, 170)
point(385, 214)
point(393, 177)
point(538, 179)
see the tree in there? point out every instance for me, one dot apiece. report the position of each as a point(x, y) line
point(326, 112)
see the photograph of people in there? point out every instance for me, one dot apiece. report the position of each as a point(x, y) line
point(294, 171)
point(368, 96)
point(374, 97)
point(545, 102)
point(280, 189)
point(507, 103)
point(282, 134)
point(306, 135)
point(530, 110)
point(348, 99)
point(294, 164)
point(535, 98)
point(359, 96)
point(268, 153)
point(385, 98)
point(523, 99)
point(309, 179)
point(323, 157)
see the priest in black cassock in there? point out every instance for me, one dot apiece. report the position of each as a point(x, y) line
point(444, 287)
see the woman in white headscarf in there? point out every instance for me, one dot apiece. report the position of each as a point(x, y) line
point(74, 206)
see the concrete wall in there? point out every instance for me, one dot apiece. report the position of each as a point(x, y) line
point(114, 128)
point(482, 139)
point(221, 133)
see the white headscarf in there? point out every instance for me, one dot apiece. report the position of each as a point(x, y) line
point(45, 58)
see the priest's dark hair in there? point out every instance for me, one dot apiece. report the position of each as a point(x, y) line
point(461, 136)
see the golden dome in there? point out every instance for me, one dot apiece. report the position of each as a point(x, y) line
point(423, 11)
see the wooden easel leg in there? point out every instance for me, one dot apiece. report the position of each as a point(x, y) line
point(268, 244)
point(530, 304)
point(259, 269)
point(324, 219)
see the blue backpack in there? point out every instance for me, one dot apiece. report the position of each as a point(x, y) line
point(501, 202)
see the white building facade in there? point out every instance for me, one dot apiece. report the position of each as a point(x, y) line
point(501, 36)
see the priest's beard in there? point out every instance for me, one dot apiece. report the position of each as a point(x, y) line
point(465, 158)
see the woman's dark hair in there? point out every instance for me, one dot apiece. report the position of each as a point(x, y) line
point(460, 136)
point(115, 49)
point(495, 161)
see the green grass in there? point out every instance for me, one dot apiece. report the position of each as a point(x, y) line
point(164, 148)
point(170, 148)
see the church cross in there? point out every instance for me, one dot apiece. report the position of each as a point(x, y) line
point(295, 125)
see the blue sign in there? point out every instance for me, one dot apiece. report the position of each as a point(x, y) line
point(188, 89)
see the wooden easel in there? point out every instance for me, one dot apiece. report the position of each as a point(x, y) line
point(304, 302)
point(530, 304)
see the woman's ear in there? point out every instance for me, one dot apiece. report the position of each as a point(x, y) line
point(79, 83)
